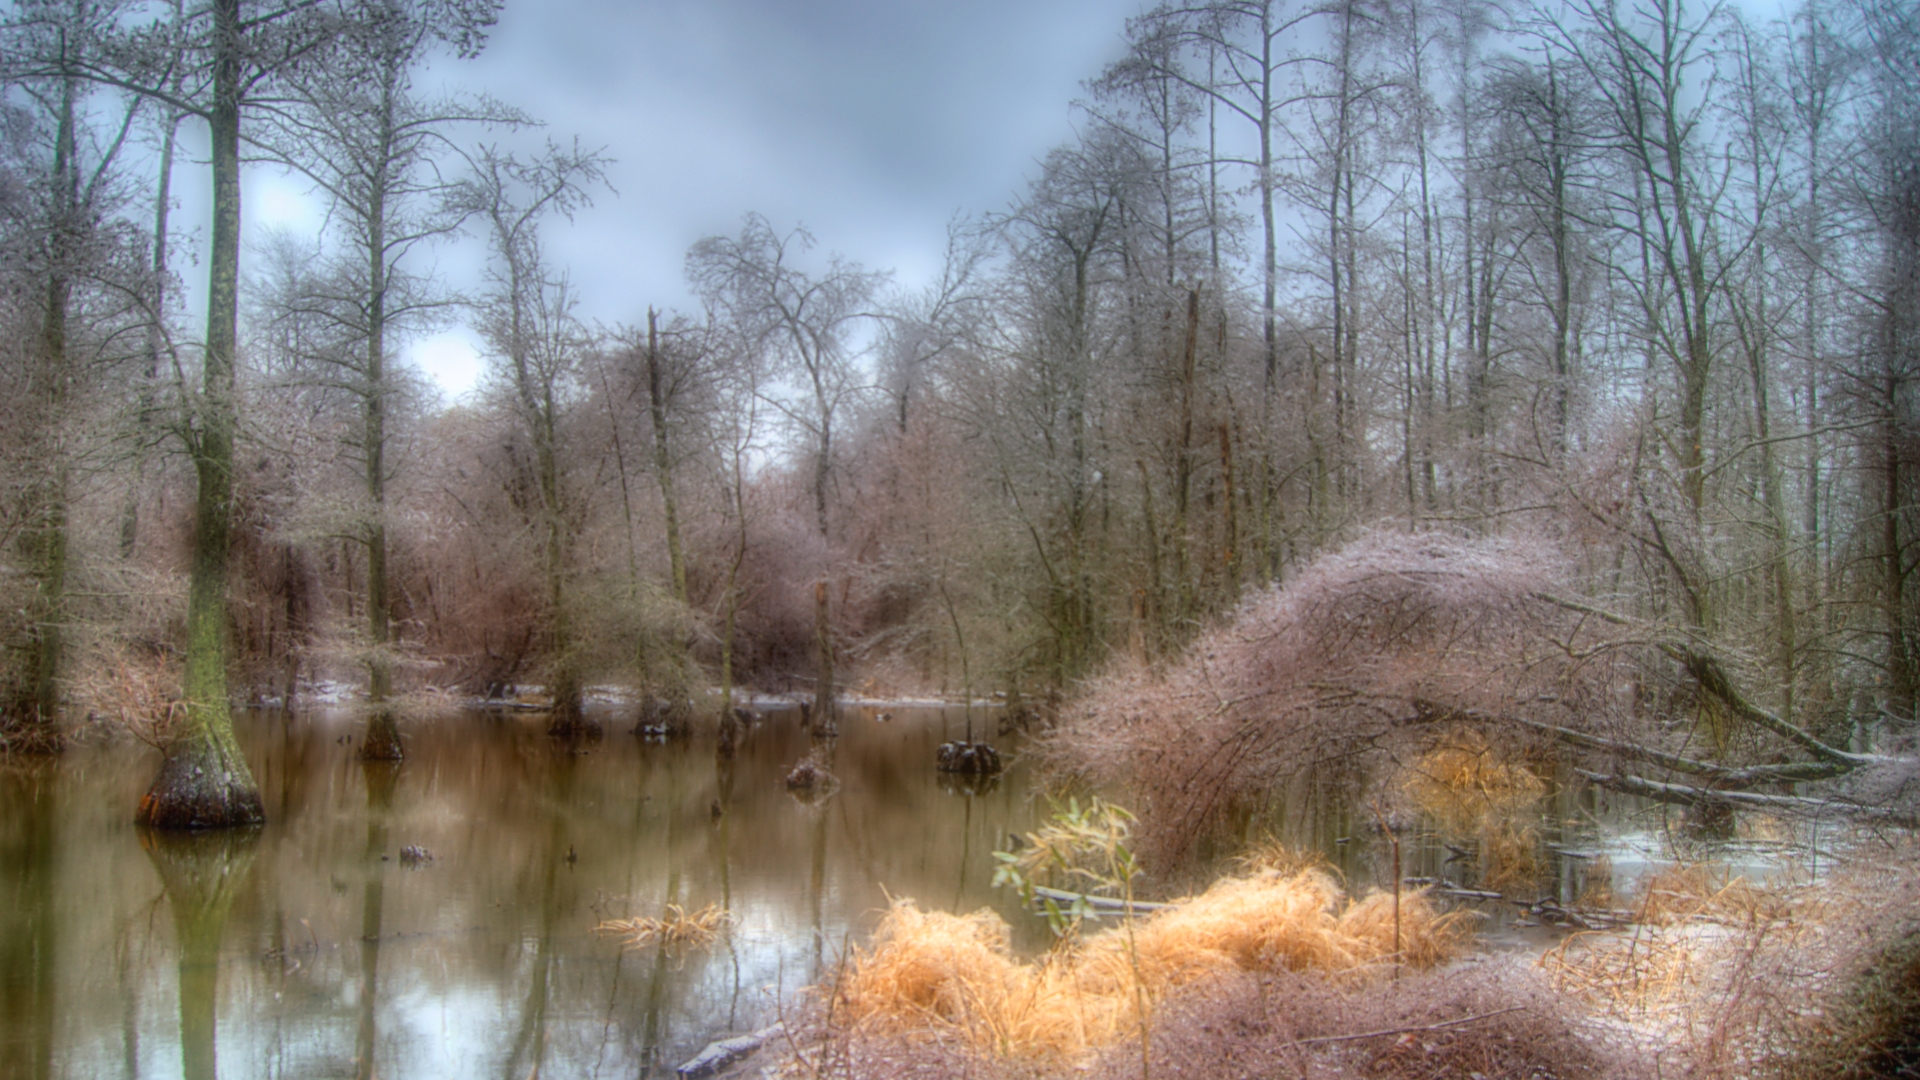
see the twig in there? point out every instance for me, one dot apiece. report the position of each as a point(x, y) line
point(1406, 1031)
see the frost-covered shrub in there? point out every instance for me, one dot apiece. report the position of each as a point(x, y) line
point(1381, 643)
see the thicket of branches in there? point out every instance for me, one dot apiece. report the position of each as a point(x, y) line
point(1367, 651)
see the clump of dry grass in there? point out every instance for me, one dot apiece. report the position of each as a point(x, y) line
point(1702, 892)
point(1473, 792)
point(955, 973)
point(1270, 855)
point(1639, 977)
point(137, 690)
point(1738, 979)
point(1596, 888)
point(1692, 921)
point(675, 928)
point(1510, 857)
point(1464, 780)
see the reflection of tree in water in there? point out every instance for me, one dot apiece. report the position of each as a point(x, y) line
point(653, 1032)
point(29, 938)
point(723, 807)
point(968, 785)
point(966, 846)
point(202, 873)
point(530, 1040)
point(381, 775)
point(825, 751)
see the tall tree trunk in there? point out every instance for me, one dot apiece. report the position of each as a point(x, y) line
point(663, 457)
point(824, 722)
point(155, 339)
point(32, 721)
point(382, 741)
point(205, 782)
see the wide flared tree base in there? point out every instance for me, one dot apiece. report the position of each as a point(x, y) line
point(202, 785)
point(383, 738)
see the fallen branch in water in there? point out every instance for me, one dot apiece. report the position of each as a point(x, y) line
point(1712, 678)
point(1689, 795)
point(1104, 904)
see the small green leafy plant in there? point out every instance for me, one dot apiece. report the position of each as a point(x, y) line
point(1081, 850)
point(1084, 847)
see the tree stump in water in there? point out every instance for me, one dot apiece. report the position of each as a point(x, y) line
point(204, 783)
point(968, 758)
point(811, 781)
point(810, 775)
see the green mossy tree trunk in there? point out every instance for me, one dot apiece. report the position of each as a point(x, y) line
point(204, 782)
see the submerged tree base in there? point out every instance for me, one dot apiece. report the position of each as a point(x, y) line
point(383, 738)
point(203, 784)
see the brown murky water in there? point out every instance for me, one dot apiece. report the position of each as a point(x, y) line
point(309, 948)
point(315, 948)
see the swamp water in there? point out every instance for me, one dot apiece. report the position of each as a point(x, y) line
point(314, 947)
point(322, 945)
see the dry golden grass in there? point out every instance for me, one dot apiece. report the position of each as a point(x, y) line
point(1597, 889)
point(1465, 778)
point(1638, 976)
point(138, 690)
point(1472, 791)
point(698, 930)
point(1714, 969)
point(1510, 857)
point(950, 973)
point(1272, 855)
point(1696, 892)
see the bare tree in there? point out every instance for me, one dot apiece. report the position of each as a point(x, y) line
point(374, 147)
point(75, 260)
point(232, 53)
point(806, 322)
point(531, 330)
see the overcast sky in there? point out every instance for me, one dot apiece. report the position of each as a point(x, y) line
point(872, 122)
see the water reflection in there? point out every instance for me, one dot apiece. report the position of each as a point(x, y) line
point(311, 948)
point(201, 874)
point(381, 775)
point(29, 941)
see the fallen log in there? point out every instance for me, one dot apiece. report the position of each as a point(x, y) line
point(1102, 905)
point(1443, 887)
point(1688, 795)
point(724, 1052)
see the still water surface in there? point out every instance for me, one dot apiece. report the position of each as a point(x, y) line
point(309, 948)
point(314, 947)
